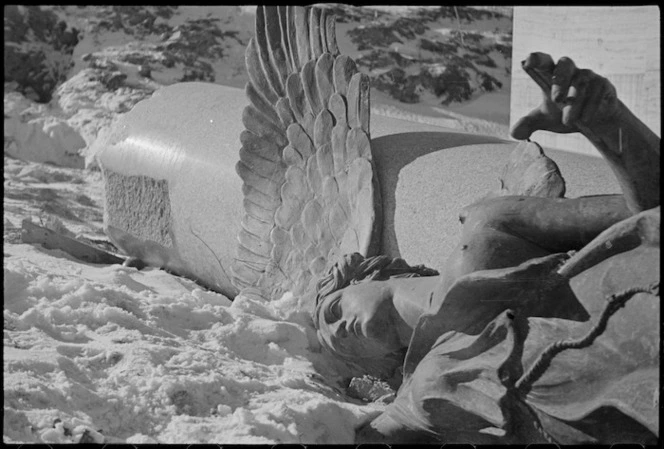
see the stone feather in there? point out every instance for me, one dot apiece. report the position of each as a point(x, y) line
point(309, 184)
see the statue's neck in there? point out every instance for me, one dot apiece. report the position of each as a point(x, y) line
point(412, 297)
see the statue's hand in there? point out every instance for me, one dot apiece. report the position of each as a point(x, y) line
point(574, 98)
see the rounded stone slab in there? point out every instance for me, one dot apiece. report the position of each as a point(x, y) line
point(174, 155)
point(427, 178)
point(185, 138)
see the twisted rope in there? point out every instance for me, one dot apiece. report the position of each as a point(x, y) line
point(614, 302)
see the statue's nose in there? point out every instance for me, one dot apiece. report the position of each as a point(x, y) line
point(342, 330)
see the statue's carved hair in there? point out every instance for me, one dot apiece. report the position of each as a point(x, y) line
point(354, 268)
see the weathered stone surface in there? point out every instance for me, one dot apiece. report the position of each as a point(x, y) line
point(428, 174)
point(530, 172)
point(151, 221)
point(189, 135)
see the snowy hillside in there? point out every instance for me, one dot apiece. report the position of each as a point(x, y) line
point(439, 56)
point(113, 354)
point(449, 64)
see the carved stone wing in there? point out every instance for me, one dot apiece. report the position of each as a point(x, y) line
point(310, 190)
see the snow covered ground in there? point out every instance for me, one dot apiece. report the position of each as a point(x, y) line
point(122, 355)
point(106, 353)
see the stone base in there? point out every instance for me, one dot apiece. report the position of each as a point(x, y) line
point(427, 178)
point(182, 144)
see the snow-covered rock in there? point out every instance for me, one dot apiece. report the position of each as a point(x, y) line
point(33, 133)
point(93, 99)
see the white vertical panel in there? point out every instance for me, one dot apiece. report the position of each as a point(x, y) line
point(621, 43)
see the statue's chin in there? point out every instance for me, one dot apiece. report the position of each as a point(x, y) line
point(366, 356)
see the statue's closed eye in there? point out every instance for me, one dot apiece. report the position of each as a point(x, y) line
point(333, 310)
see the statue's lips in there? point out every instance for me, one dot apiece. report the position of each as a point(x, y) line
point(360, 330)
point(351, 328)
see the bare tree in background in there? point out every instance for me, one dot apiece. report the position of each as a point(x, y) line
point(456, 11)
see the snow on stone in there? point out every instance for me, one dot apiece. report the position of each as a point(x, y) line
point(33, 132)
point(91, 105)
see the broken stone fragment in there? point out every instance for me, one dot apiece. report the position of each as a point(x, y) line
point(530, 172)
point(370, 389)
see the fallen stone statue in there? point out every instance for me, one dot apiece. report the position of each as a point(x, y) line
point(542, 323)
point(173, 198)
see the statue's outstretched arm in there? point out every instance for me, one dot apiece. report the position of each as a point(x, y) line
point(640, 229)
point(309, 185)
point(579, 100)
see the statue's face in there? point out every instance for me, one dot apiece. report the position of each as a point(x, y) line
point(360, 323)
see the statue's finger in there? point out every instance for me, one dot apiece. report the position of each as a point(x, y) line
point(576, 100)
point(562, 78)
point(539, 61)
point(539, 66)
point(571, 113)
